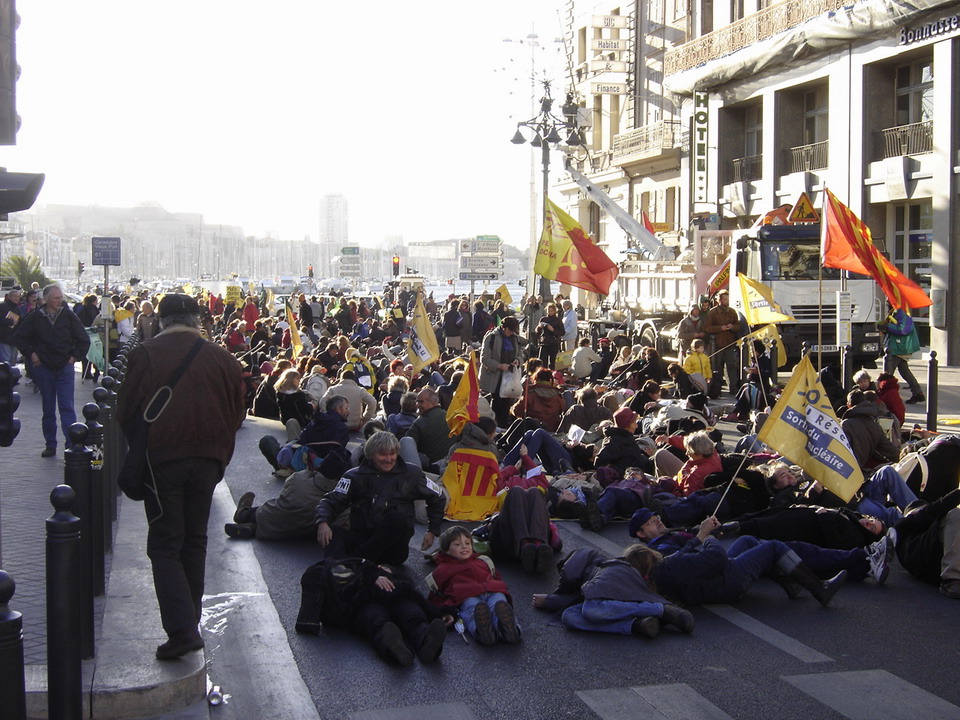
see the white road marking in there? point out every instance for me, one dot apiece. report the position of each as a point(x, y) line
point(766, 633)
point(871, 694)
point(441, 711)
point(677, 701)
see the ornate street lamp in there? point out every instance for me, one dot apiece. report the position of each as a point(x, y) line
point(549, 129)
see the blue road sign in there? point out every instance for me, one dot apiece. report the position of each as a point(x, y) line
point(106, 250)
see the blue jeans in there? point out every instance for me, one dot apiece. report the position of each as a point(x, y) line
point(824, 562)
point(56, 391)
point(690, 510)
point(8, 353)
point(609, 616)
point(469, 606)
point(745, 568)
point(886, 482)
point(618, 502)
point(541, 445)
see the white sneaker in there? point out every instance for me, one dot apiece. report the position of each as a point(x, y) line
point(879, 563)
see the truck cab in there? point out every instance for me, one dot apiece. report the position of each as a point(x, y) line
point(786, 258)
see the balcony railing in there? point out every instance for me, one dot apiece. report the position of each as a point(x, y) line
point(807, 157)
point(748, 168)
point(743, 33)
point(664, 135)
point(912, 139)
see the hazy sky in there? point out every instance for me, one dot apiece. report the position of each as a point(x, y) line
point(249, 112)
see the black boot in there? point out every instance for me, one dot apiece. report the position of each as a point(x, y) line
point(790, 587)
point(648, 627)
point(728, 529)
point(822, 590)
point(679, 618)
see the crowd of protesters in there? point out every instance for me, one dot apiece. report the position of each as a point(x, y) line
point(568, 426)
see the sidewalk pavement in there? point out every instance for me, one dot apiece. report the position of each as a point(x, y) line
point(124, 680)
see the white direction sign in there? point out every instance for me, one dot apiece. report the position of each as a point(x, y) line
point(479, 275)
point(608, 44)
point(349, 259)
point(609, 21)
point(609, 88)
point(480, 246)
point(479, 262)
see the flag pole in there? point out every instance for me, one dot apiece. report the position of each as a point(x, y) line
point(823, 225)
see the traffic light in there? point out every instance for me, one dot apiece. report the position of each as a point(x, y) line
point(310, 271)
point(80, 267)
point(396, 265)
point(9, 402)
point(18, 191)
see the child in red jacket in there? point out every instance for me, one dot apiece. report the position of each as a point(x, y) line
point(470, 582)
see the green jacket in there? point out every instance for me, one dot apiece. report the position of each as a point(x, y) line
point(432, 434)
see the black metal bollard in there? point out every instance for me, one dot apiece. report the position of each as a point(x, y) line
point(101, 396)
point(113, 446)
point(64, 681)
point(76, 474)
point(13, 689)
point(933, 390)
point(102, 528)
point(846, 366)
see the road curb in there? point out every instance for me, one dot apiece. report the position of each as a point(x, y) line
point(125, 680)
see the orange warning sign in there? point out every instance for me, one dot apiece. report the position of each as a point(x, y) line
point(803, 211)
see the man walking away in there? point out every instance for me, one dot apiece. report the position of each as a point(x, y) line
point(191, 442)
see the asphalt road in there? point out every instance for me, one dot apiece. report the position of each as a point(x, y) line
point(877, 652)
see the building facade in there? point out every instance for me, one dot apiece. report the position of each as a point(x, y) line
point(764, 101)
point(334, 234)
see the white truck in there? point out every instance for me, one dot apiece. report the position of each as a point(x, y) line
point(655, 295)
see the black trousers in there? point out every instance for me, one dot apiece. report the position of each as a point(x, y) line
point(405, 612)
point(523, 517)
point(177, 538)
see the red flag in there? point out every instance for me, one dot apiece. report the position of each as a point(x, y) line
point(567, 254)
point(646, 223)
point(848, 245)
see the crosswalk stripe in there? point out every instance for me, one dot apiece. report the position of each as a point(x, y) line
point(439, 711)
point(766, 633)
point(871, 694)
point(676, 701)
point(599, 541)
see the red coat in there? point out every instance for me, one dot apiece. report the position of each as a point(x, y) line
point(888, 392)
point(694, 472)
point(544, 403)
point(457, 580)
point(250, 315)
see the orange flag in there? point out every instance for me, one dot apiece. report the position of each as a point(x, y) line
point(848, 245)
point(464, 406)
point(567, 254)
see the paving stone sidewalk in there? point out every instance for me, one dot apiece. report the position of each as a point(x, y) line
point(26, 480)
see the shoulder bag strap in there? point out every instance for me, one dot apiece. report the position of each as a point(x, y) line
point(164, 394)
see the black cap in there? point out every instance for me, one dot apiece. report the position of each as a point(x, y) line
point(177, 304)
